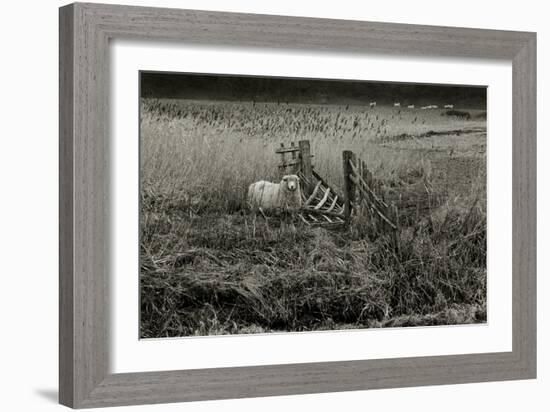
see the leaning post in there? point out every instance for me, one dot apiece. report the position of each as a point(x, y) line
point(282, 164)
point(397, 230)
point(354, 186)
point(305, 165)
point(349, 191)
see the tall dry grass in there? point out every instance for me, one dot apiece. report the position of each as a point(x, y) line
point(209, 267)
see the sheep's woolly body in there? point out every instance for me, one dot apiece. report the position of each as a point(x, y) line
point(269, 196)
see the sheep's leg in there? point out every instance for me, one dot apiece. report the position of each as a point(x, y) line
point(263, 214)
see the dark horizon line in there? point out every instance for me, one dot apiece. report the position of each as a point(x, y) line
point(229, 87)
point(320, 79)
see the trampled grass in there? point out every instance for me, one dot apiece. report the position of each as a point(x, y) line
point(209, 266)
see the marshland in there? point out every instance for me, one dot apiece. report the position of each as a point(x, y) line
point(209, 265)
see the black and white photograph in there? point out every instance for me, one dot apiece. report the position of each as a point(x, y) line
point(274, 204)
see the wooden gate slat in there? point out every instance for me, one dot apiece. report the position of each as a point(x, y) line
point(310, 199)
point(287, 150)
point(303, 219)
point(359, 181)
point(363, 186)
point(323, 200)
point(327, 218)
point(333, 204)
point(325, 183)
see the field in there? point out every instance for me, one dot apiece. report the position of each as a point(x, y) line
point(210, 266)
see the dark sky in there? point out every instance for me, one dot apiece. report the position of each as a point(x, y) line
point(293, 90)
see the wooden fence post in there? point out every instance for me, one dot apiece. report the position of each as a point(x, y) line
point(349, 190)
point(281, 166)
point(359, 165)
point(305, 165)
point(397, 230)
point(354, 193)
point(369, 181)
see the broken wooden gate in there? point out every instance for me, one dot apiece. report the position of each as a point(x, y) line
point(359, 192)
point(322, 205)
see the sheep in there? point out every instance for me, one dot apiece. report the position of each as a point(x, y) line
point(449, 106)
point(286, 195)
point(410, 106)
point(372, 104)
point(397, 104)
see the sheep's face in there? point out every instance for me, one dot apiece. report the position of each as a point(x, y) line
point(290, 182)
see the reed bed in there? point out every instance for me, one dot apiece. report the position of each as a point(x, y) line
point(208, 266)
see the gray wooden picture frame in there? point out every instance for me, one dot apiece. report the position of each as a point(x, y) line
point(85, 31)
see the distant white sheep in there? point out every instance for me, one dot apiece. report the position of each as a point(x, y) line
point(433, 106)
point(397, 104)
point(265, 195)
point(449, 106)
point(372, 104)
point(410, 106)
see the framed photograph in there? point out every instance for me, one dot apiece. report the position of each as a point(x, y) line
point(256, 205)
